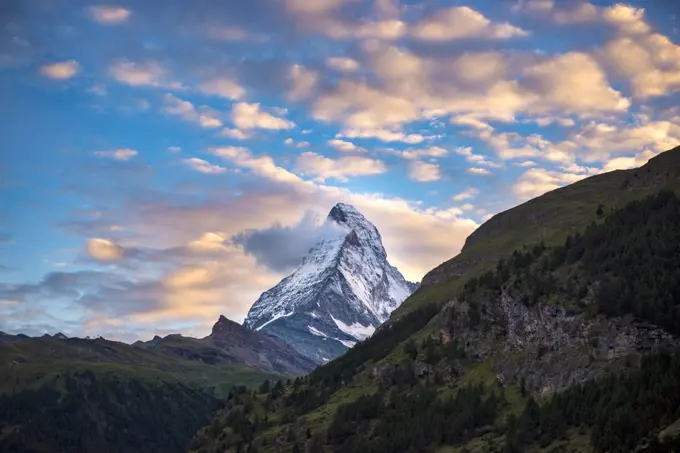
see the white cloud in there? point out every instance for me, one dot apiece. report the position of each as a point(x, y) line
point(148, 73)
point(300, 145)
point(104, 249)
point(345, 146)
point(478, 171)
point(61, 71)
point(384, 30)
point(537, 181)
point(384, 135)
point(467, 194)
point(236, 134)
point(174, 149)
point(624, 163)
point(203, 166)
point(122, 154)
point(557, 79)
point(477, 159)
point(250, 116)
point(343, 64)
point(263, 166)
point(109, 14)
point(432, 151)
point(461, 22)
point(206, 117)
point(423, 172)
point(224, 87)
point(302, 83)
point(323, 168)
point(650, 62)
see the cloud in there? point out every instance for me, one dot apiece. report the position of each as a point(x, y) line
point(602, 140)
point(61, 71)
point(475, 158)
point(282, 248)
point(432, 151)
point(624, 163)
point(174, 149)
point(263, 166)
point(537, 181)
point(236, 134)
point(148, 73)
point(122, 154)
point(109, 15)
point(302, 83)
point(478, 171)
point(467, 194)
point(206, 117)
point(342, 64)
point(384, 135)
point(250, 116)
point(104, 250)
point(295, 144)
point(462, 22)
point(323, 168)
point(650, 63)
point(345, 146)
point(224, 87)
point(423, 172)
point(203, 166)
point(556, 79)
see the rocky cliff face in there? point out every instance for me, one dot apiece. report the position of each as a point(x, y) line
point(547, 348)
point(343, 289)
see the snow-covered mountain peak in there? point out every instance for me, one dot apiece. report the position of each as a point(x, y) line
point(349, 217)
point(343, 289)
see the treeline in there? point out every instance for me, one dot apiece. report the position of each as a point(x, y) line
point(620, 411)
point(103, 414)
point(414, 421)
point(631, 261)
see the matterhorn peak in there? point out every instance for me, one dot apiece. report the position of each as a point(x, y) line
point(343, 289)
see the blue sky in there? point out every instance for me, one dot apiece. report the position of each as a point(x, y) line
point(142, 141)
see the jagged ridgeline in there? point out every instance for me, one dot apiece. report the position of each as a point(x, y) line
point(536, 338)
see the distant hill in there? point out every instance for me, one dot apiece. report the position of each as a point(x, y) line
point(230, 342)
point(557, 329)
point(95, 395)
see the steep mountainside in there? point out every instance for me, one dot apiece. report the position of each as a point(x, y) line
point(343, 289)
point(231, 343)
point(549, 218)
point(563, 345)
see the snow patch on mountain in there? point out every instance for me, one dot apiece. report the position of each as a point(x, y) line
point(355, 330)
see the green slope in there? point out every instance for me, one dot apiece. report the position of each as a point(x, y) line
point(549, 218)
point(82, 395)
point(450, 372)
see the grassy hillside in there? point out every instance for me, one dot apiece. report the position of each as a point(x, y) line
point(588, 312)
point(82, 395)
point(549, 218)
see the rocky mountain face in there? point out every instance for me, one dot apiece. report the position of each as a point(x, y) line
point(231, 343)
point(343, 289)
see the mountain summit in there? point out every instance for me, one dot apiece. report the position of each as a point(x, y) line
point(343, 289)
